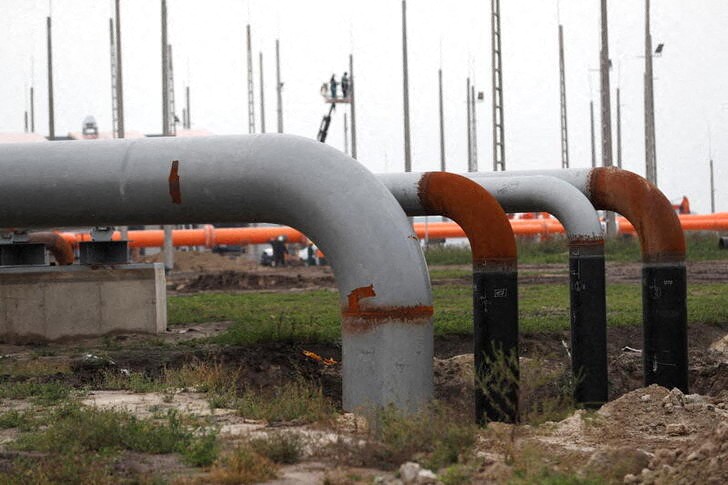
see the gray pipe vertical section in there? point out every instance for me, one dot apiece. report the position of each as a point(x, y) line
point(352, 90)
point(405, 82)
point(619, 130)
point(593, 141)
point(262, 94)
point(470, 128)
point(119, 79)
point(165, 76)
point(51, 109)
point(442, 122)
point(279, 88)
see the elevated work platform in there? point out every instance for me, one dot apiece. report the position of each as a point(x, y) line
point(61, 302)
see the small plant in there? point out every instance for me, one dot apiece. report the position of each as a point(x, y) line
point(456, 475)
point(39, 393)
point(298, 401)
point(242, 466)
point(202, 450)
point(280, 447)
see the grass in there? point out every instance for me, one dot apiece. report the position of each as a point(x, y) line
point(296, 402)
point(281, 447)
point(701, 247)
point(543, 308)
point(242, 465)
point(37, 392)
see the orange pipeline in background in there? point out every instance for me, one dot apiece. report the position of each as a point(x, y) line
point(209, 236)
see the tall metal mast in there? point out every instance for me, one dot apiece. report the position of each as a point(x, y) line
point(562, 84)
point(442, 123)
point(593, 142)
point(346, 135)
point(499, 154)
point(172, 130)
point(32, 109)
point(51, 110)
point(712, 189)
point(352, 105)
point(119, 79)
point(474, 129)
point(251, 98)
point(279, 88)
point(165, 75)
point(188, 109)
point(470, 128)
point(262, 94)
point(619, 129)
point(114, 104)
point(650, 151)
point(405, 80)
point(606, 108)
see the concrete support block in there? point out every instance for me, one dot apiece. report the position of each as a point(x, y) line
point(59, 302)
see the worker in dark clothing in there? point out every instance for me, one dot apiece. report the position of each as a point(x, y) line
point(279, 251)
point(345, 85)
point(332, 85)
point(311, 255)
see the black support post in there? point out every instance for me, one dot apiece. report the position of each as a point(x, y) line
point(588, 322)
point(665, 351)
point(495, 311)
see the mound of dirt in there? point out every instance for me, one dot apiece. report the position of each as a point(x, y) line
point(243, 280)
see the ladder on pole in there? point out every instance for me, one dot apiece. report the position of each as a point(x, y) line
point(325, 122)
point(251, 98)
point(114, 100)
point(172, 118)
point(564, 125)
point(499, 156)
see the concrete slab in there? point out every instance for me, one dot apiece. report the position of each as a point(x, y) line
point(61, 302)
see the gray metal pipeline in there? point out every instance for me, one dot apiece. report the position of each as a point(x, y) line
point(586, 261)
point(664, 275)
point(384, 288)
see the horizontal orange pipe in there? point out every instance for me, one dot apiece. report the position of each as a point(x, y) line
point(209, 236)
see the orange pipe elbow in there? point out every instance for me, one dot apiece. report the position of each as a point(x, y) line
point(57, 244)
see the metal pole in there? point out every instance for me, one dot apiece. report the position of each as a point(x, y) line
point(32, 109)
point(405, 80)
point(165, 75)
point(442, 123)
point(470, 129)
point(25, 121)
point(119, 79)
point(346, 135)
point(352, 89)
point(262, 94)
point(712, 188)
point(187, 107)
point(474, 129)
point(619, 130)
point(499, 151)
point(593, 143)
point(251, 100)
point(279, 88)
point(606, 106)
point(650, 155)
point(562, 84)
point(51, 112)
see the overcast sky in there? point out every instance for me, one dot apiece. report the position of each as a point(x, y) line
point(316, 36)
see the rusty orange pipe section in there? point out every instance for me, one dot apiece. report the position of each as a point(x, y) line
point(57, 244)
point(661, 238)
point(476, 211)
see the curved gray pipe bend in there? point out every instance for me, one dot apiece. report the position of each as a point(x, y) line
point(588, 315)
point(387, 352)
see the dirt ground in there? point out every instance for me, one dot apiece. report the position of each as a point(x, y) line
point(643, 435)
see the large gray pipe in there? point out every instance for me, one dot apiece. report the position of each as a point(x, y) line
point(387, 340)
point(588, 315)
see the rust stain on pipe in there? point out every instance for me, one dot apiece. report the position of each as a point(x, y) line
point(478, 213)
point(60, 248)
point(645, 206)
point(360, 317)
point(174, 187)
